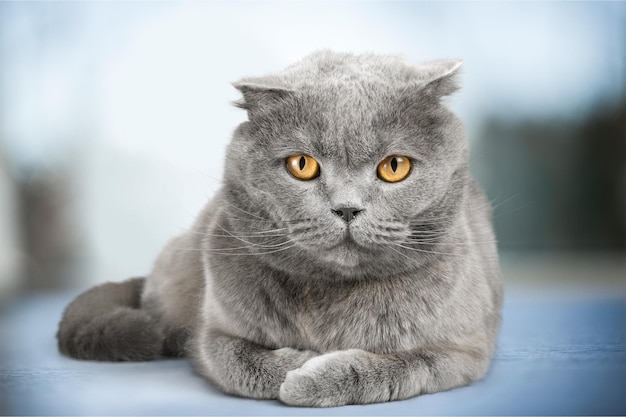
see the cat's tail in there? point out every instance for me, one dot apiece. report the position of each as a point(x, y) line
point(107, 323)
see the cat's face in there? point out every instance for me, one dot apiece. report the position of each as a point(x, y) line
point(348, 175)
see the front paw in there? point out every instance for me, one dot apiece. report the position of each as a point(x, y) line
point(328, 380)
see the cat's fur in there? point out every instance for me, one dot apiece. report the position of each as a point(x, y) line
point(275, 296)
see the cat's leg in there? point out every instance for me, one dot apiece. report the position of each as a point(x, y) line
point(244, 368)
point(359, 377)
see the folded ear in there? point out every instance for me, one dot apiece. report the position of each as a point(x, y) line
point(260, 96)
point(438, 78)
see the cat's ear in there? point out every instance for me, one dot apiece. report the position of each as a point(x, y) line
point(260, 96)
point(438, 78)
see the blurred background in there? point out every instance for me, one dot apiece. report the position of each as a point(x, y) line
point(114, 118)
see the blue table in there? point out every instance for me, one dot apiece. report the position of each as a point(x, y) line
point(556, 355)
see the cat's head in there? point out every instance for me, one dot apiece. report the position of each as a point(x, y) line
point(353, 159)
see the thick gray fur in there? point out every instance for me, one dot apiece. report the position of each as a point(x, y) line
point(275, 296)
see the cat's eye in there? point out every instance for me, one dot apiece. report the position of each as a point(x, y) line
point(303, 167)
point(394, 168)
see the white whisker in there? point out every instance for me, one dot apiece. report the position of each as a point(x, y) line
point(426, 251)
point(217, 252)
point(258, 235)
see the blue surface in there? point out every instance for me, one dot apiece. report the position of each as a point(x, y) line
point(556, 355)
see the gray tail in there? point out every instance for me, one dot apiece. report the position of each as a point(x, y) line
point(106, 323)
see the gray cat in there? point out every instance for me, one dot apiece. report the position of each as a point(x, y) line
point(348, 257)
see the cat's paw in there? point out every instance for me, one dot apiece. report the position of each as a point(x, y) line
point(328, 380)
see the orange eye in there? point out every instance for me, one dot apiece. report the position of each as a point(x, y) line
point(303, 167)
point(394, 168)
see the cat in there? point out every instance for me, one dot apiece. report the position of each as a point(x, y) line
point(348, 257)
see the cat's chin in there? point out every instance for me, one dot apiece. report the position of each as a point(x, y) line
point(346, 255)
point(343, 258)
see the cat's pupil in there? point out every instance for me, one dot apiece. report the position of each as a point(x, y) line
point(394, 164)
point(303, 163)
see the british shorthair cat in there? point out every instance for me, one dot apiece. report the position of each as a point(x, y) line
point(348, 257)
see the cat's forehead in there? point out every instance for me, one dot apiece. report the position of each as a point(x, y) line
point(348, 125)
point(356, 122)
point(340, 124)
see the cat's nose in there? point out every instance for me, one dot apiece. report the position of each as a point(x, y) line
point(347, 213)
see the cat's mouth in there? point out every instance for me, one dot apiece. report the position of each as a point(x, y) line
point(347, 242)
point(347, 247)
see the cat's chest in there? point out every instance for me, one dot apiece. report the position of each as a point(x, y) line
point(372, 316)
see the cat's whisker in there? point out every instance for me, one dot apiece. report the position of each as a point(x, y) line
point(440, 223)
point(300, 230)
point(387, 238)
point(271, 231)
point(511, 210)
point(426, 251)
point(431, 238)
point(260, 220)
point(269, 247)
point(258, 235)
point(429, 216)
point(434, 218)
point(495, 203)
point(255, 216)
point(274, 246)
point(433, 228)
point(484, 242)
point(238, 238)
point(428, 232)
point(244, 211)
point(427, 238)
point(316, 235)
point(402, 254)
point(255, 253)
